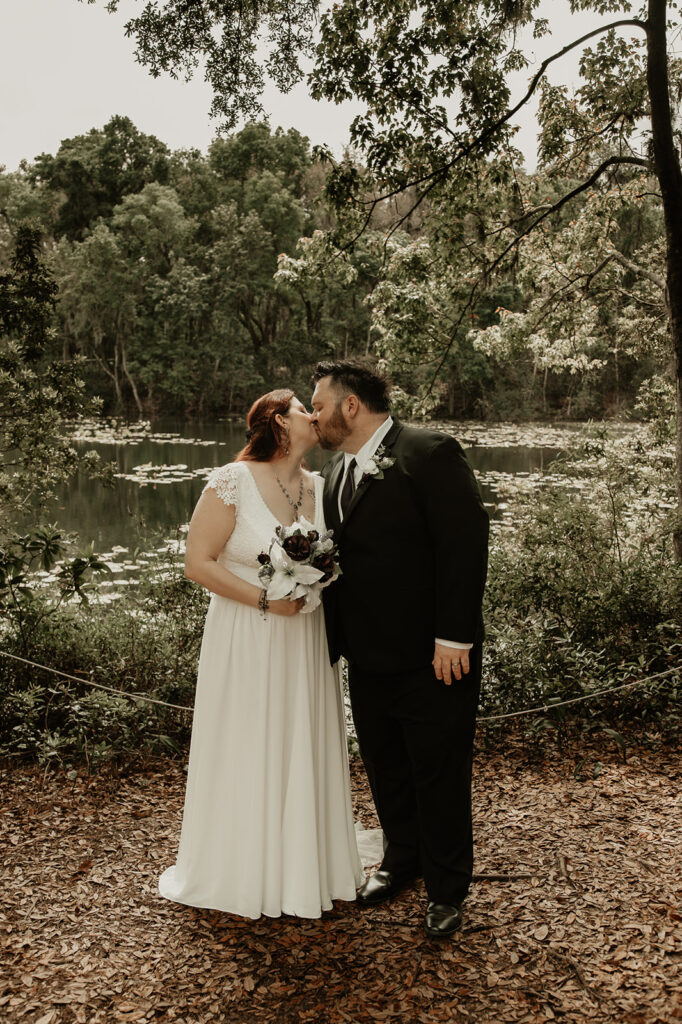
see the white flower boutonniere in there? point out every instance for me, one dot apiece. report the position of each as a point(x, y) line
point(377, 464)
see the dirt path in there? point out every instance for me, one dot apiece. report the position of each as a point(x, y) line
point(588, 929)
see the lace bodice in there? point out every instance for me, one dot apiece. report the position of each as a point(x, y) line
point(255, 524)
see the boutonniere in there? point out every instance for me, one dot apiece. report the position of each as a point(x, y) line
point(377, 464)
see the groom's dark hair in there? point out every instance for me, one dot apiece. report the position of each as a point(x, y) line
point(351, 378)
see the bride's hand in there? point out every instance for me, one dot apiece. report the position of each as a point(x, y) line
point(286, 607)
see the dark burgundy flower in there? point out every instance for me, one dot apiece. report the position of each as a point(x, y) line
point(325, 563)
point(264, 558)
point(313, 535)
point(297, 547)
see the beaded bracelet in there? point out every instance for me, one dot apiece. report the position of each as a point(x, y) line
point(263, 603)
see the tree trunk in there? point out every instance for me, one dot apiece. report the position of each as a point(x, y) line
point(126, 373)
point(544, 391)
point(117, 381)
point(96, 346)
point(669, 174)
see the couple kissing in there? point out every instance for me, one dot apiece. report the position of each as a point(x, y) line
point(401, 531)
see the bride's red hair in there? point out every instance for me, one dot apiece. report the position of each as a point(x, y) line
point(266, 437)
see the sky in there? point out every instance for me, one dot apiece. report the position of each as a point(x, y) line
point(66, 67)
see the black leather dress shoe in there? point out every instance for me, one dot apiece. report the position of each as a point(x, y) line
point(442, 919)
point(380, 886)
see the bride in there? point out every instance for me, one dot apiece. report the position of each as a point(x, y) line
point(267, 825)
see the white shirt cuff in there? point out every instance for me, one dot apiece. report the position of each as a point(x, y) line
point(451, 643)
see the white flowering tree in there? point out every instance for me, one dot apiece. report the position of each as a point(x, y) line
point(328, 287)
point(585, 299)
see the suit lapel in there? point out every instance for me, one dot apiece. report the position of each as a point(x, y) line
point(369, 481)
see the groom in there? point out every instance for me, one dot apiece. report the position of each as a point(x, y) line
point(406, 614)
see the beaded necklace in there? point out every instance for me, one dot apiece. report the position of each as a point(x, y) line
point(296, 505)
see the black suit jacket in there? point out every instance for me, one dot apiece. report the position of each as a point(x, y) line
point(413, 550)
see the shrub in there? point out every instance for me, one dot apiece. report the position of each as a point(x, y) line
point(147, 643)
point(584, 592)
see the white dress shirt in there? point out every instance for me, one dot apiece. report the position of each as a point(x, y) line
point(362, 457)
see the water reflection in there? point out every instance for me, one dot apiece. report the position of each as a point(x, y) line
point(521, 459)
point(140, 515)
point(518, 461)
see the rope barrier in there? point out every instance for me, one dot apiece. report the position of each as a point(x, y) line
point(487, 718)
point(97, 686)
point(577, 700)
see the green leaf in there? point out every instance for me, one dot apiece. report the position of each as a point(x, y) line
point(618, 738)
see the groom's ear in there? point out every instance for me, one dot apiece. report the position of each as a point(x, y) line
point(352, 405)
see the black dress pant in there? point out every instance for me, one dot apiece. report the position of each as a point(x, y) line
point(416, 739)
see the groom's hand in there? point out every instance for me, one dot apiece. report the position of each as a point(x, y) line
point(448, 662)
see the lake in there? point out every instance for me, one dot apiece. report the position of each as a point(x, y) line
point(161, 468)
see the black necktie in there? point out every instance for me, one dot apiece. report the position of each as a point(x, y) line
point(348, 488)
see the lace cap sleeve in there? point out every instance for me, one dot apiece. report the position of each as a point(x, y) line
point(225, 482)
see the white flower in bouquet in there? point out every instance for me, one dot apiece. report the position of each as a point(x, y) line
point(289, 577)
point(300, 563)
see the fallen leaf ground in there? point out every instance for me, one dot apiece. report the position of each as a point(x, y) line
point(587, 928)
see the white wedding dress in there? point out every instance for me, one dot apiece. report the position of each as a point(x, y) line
point(267, 825)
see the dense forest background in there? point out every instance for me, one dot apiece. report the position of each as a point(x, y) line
point(190, 283)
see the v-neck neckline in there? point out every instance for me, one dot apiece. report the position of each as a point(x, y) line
point(267, 507)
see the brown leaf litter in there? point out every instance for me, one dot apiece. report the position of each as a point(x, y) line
point(575, 914)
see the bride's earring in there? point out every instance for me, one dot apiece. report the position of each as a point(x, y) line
point(286, 442)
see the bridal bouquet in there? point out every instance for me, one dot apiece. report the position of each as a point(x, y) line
point(299, 563)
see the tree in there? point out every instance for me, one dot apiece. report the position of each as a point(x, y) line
point(244, 260)
point(175, 37)
point(96, 305)
point(22, 203)
point(110, 286)
point(593, 291)
point(255, 149)
point(95, 171)
point(329, 289)
point(39, 397)
point(171, 296)
point(406, 62)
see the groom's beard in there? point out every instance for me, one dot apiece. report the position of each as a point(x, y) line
point(336, 431)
